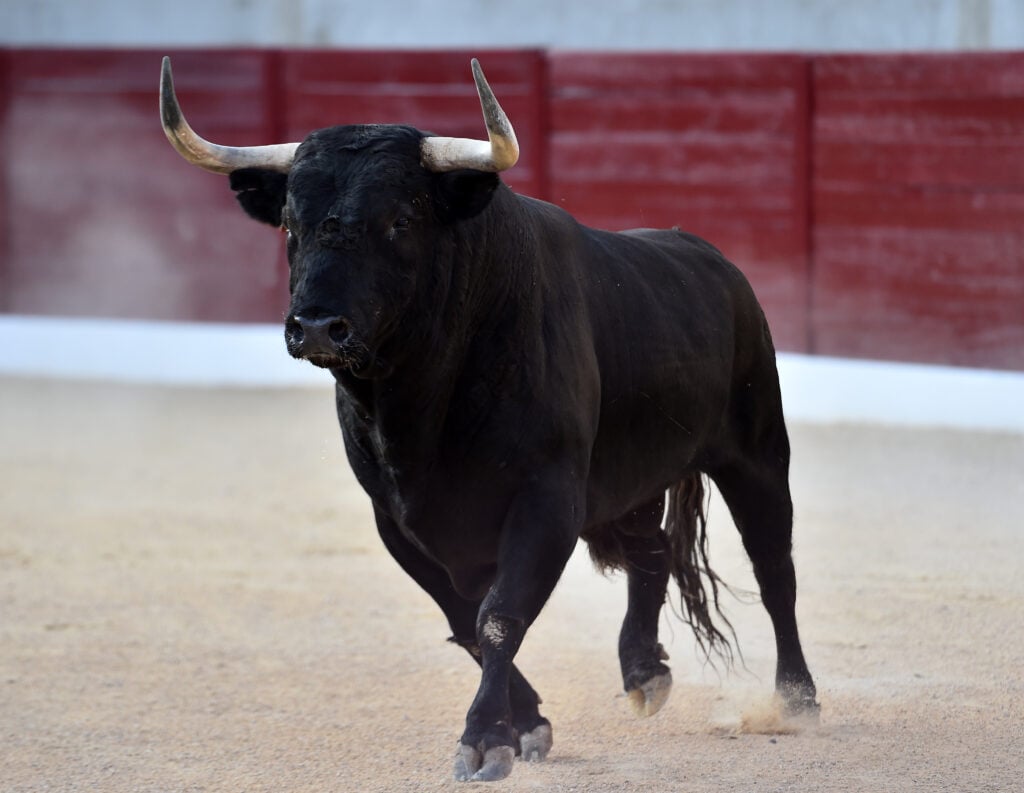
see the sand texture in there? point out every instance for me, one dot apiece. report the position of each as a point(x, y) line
point(193, 598)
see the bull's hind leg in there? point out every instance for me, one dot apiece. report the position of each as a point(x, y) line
point(645, 557)
point(756, 489)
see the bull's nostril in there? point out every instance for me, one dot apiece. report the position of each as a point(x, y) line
point(293, 332)
point(338, 331)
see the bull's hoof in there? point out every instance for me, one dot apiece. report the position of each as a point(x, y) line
point(648, 698)
point(804, 709)
point(536, 744)
point(800, 702)
point(471, 765)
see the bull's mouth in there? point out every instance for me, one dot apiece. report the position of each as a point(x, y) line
point(368, 368)
point(351, 357)
point(326, 361)
point(357, 360)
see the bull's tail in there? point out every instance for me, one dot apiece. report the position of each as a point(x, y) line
point(686, 529)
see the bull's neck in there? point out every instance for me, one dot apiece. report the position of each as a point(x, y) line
point(465, 329)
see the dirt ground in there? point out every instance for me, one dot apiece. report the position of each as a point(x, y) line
point(193, 598)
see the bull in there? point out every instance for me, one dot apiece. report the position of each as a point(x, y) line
point(509, 381)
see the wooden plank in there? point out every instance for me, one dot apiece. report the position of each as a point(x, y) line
point(633, 204)
point(974, 165)
point(876, 117)
point(735, 112)
point(942, 75)
point(603, 74)
point(916, 207)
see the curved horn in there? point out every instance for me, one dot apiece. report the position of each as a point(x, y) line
point(499, 153)
point(210, 156)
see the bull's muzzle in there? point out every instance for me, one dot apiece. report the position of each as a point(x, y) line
point(324, 341)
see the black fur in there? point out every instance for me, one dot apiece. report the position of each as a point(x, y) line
point(260, 193)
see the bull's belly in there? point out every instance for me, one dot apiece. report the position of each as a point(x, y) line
point(624, 486)
point(639, 454)
point(456, 515)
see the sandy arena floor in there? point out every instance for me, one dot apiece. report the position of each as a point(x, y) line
point(193, 598)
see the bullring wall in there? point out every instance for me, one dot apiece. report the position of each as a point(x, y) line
point(875, 201)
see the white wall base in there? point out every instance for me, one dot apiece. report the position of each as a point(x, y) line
point(187, 353)
point(827, 390)
point(814, 388)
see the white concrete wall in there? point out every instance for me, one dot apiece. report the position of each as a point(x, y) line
point(822, 25)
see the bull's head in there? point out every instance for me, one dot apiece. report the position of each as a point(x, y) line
point(366, 209)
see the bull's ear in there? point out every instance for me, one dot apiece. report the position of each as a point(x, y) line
point(261, 193)
point(466, 193)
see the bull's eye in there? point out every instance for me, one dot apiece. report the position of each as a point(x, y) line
point(399, 226)
point(330, 226)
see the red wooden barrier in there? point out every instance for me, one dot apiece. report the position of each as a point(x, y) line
point(714, 144)
point(919, 208)
point(876, 202)
point(104, 219)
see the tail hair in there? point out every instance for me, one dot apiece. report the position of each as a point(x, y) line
point(686, 531)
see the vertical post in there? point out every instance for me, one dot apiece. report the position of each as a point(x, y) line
point(542, 122)
point(803, 186)
point(6, 248)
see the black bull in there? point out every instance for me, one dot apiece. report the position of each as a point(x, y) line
point(509, 381)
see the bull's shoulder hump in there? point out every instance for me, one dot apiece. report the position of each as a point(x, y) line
point(674, 238)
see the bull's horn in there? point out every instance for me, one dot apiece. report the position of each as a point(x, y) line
point(210, 156)
point(499, 153)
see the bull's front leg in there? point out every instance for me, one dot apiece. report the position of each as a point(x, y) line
point(533, 730)
point(537, 540)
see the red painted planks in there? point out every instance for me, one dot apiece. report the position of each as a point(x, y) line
point(883, 303)
point(109, 220)
point(715, 144)
point(919, 208)
point(899, 177)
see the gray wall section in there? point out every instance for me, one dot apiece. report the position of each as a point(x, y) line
point(820, 25)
